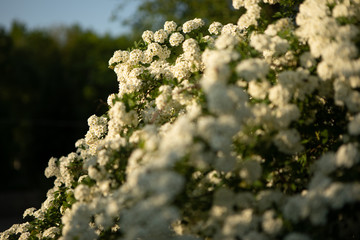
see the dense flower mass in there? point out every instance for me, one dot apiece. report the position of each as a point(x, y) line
point(236, 131)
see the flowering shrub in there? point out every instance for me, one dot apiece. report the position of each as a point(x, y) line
point(250, 132)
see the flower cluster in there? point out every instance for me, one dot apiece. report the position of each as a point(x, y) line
point(249, 132)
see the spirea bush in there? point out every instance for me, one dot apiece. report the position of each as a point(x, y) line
point(228, 131)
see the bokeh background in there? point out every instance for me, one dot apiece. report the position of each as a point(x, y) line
point(54, 75)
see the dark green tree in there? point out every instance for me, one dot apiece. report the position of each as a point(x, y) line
point(51, 81)
point(151, 14)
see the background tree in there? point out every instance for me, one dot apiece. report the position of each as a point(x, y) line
point(51, 82)
point(151, 14)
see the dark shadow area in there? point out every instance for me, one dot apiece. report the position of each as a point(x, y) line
point(51, 82)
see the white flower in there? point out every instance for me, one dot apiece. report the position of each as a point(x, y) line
point(52, 169)
point(82, 192)
point(226, 41)
point(258, 90)
point(76, 222)
point(231, 29)
point(354, 81)
point(148, 36)
point(244, 200)
point(164, 98)
point(224, 197)
point(119, 115)
point(178, 138)
point(170, 26)
point(238, 3)
point(181, 69)
point(341, 10)
point(271, 224)
point(280, 25)
point(136, 56)
point(191, 48)
point(119, 56)
point(160, 36)
point(296, 209)
point(279, 95)
point(103, 220)
point(29, 212)
point(51, 232)
point(215, 28)
point(176, 39)
point(240, 224)
point(159, 69)
point(327, 163)
point(347, 155)
point(307, 60)
point(269, 46)
point(253, 68)
point(266, 199)
point(338, 194)
point(250, 17)
point(192, 25)
point(288, 141)
point(95, 174)
point(286, 114)
point(24, 236)
point(250, 171)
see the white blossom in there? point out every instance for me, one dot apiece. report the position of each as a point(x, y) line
point(148, 36)
point(215, 28)
point(170, 26)
point(160, 36)
point(192, 25)
point(176, 39)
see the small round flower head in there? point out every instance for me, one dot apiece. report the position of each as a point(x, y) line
point(170, 26)
point(136, 72)
point(154, 49)
point(148, 36)
point(119, 56)
point(254, 68)
point(136, 56)
point(237, 4)
point(231, 29)
point(164, 53)
point(191, 48)
point(215, 28)
point(250, 17)
point(288, 141)
point(176, 39)
point(160, 36)
point(192, 25)
point(148, 56)
point(306, 60)
point(225, 41)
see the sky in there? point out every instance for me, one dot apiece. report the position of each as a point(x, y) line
point(89, 14)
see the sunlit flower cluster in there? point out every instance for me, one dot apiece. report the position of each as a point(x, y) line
point(236, 131)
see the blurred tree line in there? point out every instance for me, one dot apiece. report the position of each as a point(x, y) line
point(151, 14)
point(51, 81)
